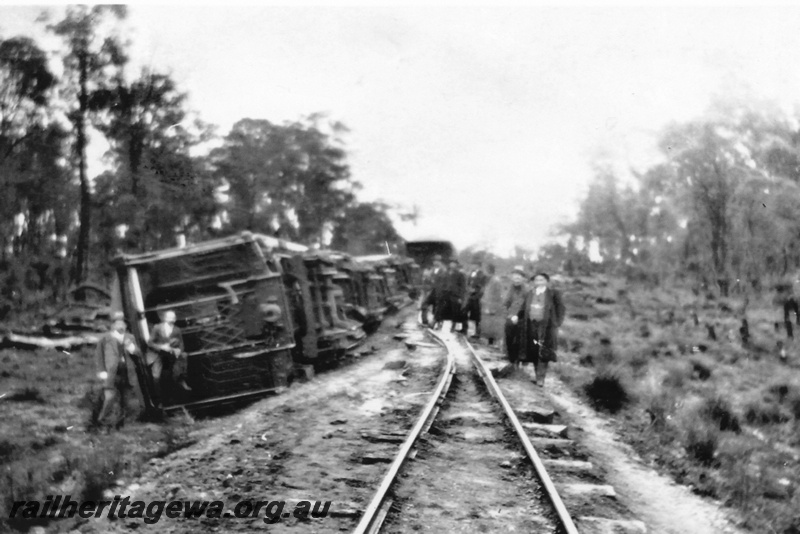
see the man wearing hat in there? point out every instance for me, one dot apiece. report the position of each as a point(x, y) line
point(539, 317)
point(438, 277)
point(117, 372)
point(512, 303)
point(493, 316)
point(476, 283)
point(166, 346)
point(455, 289)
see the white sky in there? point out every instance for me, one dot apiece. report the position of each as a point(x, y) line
point(485, 118)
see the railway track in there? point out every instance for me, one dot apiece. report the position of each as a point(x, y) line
point(463, 475)
point(469, 464)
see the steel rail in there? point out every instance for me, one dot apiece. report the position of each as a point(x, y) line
point(552, 493)
point(376, 511)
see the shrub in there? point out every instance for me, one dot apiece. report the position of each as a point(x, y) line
point(28, 394)
point(794, 405)
point(676, 376)
point(701, 440)
point(742, 485)
point(7, 449)
point(701, 369)
point(779, 390)
point(638, 361)
point(100, 470)
point(607, 392)
point(764, 412)
point(718, 410)
point(659, 406)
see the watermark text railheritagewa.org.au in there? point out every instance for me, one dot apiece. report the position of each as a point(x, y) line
point(61, 507)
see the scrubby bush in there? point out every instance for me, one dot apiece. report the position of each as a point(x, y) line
point(779, 403)
point(702, 427)
point(700, 440)
point(607, 391)
point(100, 473)
point(719, 410)
point(676, 376)
point(794, 406)
point(27, 394)
point(7, 448)
point(701, 369)
point(765, 412)
point(638, 361)
point(660, 406)
point(735, 455)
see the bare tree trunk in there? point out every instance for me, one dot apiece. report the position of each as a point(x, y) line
point(86, 196)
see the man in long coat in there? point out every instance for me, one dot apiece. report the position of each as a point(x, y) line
point(511, 305)
point(437, 279)
point(476, 284)
point(493, 316)
point(117, 372)
point(539, 317)
point(453, 295)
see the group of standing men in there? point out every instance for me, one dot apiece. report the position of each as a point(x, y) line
point(454, 295)
point(118, 374)
point(533, 313)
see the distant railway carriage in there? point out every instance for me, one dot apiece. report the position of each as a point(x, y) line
point(232, 310)
point(422, 252)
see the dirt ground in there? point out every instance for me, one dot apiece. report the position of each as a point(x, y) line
point(664, 507)
point(319, 441)
point(467, 476)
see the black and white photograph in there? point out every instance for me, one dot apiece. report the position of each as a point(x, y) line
point(446, 267)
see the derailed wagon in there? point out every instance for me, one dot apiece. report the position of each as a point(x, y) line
point(323, 331)
point(231, 308)
point(362, 290)
point(401, 277)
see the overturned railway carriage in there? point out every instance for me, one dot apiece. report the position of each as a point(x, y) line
point(322, 331)
point(330, 301)
point(398, 279)
point(232, 311)
point(409, 275)
point(361, 290)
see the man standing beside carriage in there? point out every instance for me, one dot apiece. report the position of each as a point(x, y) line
point(166, 349)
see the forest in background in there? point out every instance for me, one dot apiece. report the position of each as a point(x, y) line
point(717, 210)
point(60, 227)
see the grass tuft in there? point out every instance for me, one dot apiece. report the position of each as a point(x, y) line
point(607, 392)
point(719, 411)
point(28, 394)
point(701, 440)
